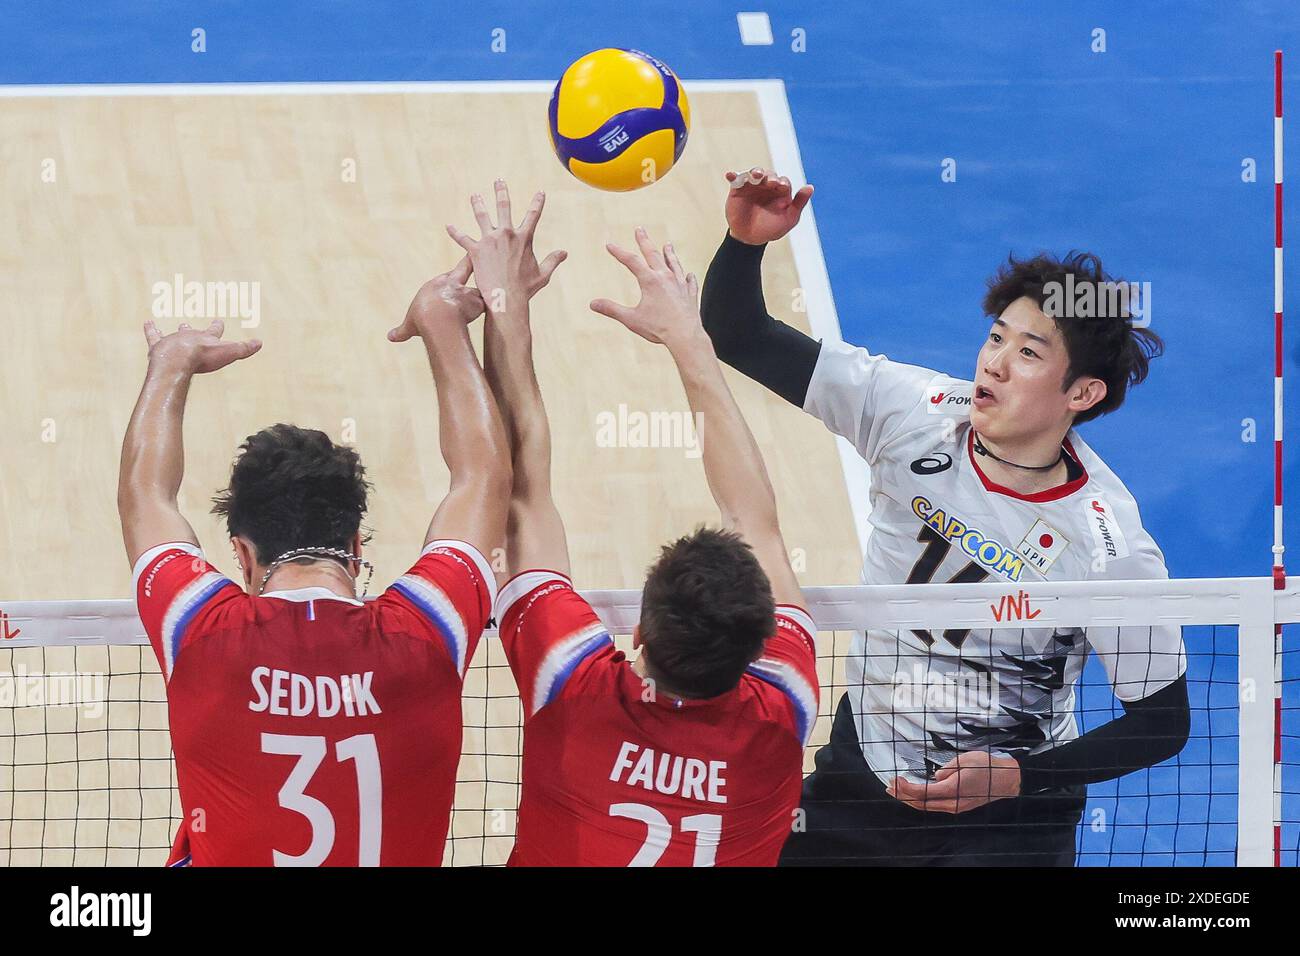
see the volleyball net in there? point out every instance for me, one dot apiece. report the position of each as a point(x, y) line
point(87, 776)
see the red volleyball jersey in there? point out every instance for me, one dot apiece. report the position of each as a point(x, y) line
point(617, 775)
point(311, 729)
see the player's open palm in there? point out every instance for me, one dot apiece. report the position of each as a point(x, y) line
point(669, 307)
point(762, 206)
point(505, 264)
point(196, 350)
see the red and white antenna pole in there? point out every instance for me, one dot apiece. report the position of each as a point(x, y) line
point(1279, 572)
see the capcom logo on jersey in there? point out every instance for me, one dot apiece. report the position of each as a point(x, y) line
point(988, 553)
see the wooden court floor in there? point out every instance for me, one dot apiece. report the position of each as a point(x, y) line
point(332, 207)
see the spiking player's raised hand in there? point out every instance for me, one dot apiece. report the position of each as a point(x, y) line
point(762, 207)
point(195, 350)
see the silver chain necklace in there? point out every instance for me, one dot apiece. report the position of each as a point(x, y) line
point(322, 553)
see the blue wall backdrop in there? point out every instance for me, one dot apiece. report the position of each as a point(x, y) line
point(1135, 153)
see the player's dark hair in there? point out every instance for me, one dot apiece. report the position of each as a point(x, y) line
point(1104, 344)
point(706, 611)
point(293, 488)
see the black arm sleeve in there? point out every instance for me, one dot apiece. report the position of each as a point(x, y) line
point(744, 335)
point(1151, 730)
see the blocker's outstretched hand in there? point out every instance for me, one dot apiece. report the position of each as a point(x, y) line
point(445, 296)
point(153, 457)
point(762, 207)
point(969, 780)
point(669, 308)
point(195, 350)
point(505, 267)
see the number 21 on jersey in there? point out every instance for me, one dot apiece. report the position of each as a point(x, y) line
point(707, 828)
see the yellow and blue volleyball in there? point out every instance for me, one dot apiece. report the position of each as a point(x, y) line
point(619, 119)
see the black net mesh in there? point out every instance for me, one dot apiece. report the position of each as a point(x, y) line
point(86, 775)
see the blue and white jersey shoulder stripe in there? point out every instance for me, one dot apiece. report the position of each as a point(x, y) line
point(795, 686)
point(434, 604)
point(786, 676)
point(189, 601)
point(562, 659)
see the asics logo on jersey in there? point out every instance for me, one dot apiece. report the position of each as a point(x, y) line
point(932, 464)
point(985, 551)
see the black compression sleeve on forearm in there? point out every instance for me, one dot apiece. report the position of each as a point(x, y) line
point(744, 335)
point(1151, 730)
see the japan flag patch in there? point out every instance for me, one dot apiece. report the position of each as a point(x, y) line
point(1042, 546)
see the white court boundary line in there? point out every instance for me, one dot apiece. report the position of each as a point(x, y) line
point(318, 89)
point(783, 143)
point(810, 266)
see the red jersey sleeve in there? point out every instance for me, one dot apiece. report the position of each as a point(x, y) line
point(789, 663)
point(446, 597)
point(175, 588)
point(548, 632)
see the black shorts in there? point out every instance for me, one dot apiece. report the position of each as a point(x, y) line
point(849, 820)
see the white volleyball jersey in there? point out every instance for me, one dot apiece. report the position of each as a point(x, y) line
point(920, 697)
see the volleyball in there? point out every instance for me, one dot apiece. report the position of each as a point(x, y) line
point(619, 119)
